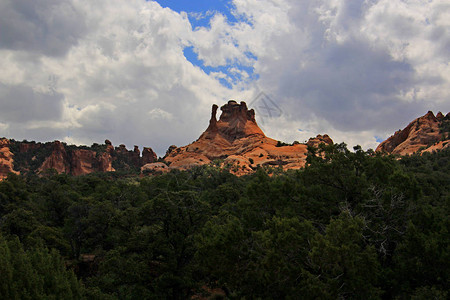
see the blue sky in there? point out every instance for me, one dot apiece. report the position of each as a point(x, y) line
point(231, 77)
point(200, 8)
point(200, 13)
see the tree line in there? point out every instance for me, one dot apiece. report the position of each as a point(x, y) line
point(350, 225)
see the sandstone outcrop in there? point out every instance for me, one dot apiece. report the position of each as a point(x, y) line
point(235, 141)
point(39, 157)
point(148, 156)
point(82, 162)
point(79, 161)
point(155, 168)
point(426, 133)
point(6, 159)
point(58, 160)
point(105, 162)
point(319, 139)
point(170, 149)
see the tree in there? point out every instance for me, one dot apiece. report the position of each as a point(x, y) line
point(342, 264)
point(35, 274)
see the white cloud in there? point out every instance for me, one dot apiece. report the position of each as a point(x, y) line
point(129, 61)
point(158, 113)
point(202, 15)
point(4, 127)
point(352, 66)
point(85, 71)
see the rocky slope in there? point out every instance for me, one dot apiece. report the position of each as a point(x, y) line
point(426, 133)
point(235, 141)
point(30, 157)
point(6, 159)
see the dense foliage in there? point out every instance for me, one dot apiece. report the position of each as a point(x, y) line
point(33, 158)
point(351, 225)
point(444, 127)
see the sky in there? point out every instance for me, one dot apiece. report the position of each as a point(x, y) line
point(146, 73)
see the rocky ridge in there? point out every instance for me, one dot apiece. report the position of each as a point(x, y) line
point(30, 157)
point(235, 141)
point(425, 134)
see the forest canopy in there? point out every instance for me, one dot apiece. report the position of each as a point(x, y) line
point(350, 225)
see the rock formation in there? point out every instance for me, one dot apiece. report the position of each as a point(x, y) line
point(148, 156)
point(105, 162)
point(154, 168)
point(170, 149)
point(58, 160)
point(319, 139)
point(82, 162)
point(426, 133)
point(236, 141)
point(6, 159)
point(39, 157)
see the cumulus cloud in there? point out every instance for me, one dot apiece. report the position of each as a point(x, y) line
point(357, 66)
point(84, 71)
point(21, 104)
point(157, 113)
point(128, 62)
point(47, 27)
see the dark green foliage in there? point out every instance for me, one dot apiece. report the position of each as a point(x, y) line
point(31, 160)
point(29, 156)
point(36, 273)
point(124, 163)
point(351, 225)
point(281, 144)
point(343, 264)
point(444, 126)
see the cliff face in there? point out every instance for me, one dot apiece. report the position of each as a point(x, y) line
point(78, 161)
point(39, 157)
point(58, 160)
point(105, 159)
point(148, 156)
point(6, 159)
point(426, 133)
point(235, 140)
point(82, 162)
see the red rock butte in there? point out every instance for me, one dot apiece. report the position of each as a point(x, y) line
point(424, 134)
point(236, 140)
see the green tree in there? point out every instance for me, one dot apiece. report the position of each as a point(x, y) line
point(223, 253)
point(35, 274)
point(279, 258)
point(342, 264)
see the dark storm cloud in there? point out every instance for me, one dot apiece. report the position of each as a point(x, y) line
point(48, 27)
point(349, 68)
point(357, 65)
point(352, 86)
point(49, 134)
point(21, 104)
